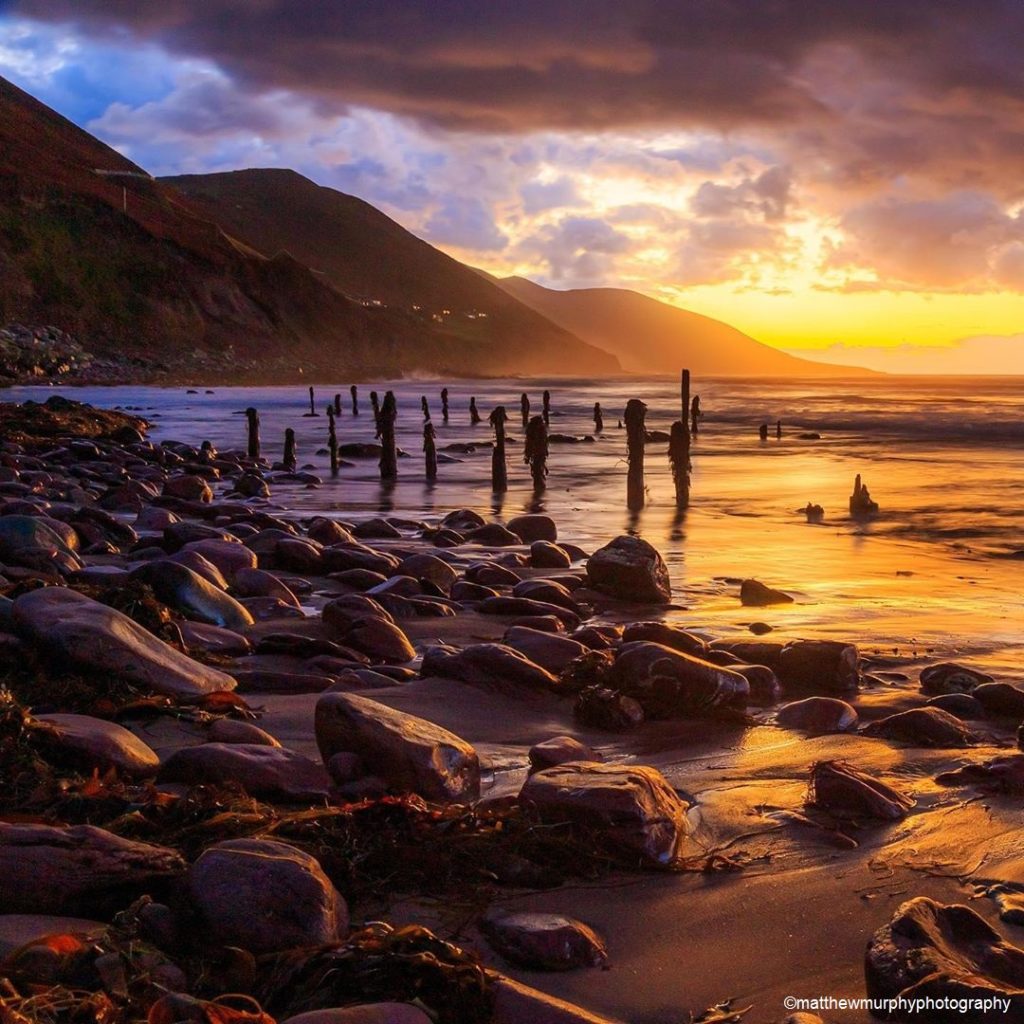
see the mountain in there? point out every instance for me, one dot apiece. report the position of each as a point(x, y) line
point(649, 336)
point(155, 288)
point(368, 257)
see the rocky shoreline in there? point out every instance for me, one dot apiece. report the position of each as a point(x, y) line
point(254, 763)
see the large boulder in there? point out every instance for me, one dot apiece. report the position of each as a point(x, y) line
point(264, 896)
point(409, 753)
point(27, 541)
point(192, 596)
point(75, 629)
point(486, 665)
point(274, 773)
point(945, 951)
point(82, 870)
point(630, 807)
point(630, 569)
point(102, 744)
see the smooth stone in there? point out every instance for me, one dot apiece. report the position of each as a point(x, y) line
point(260, 583)
point(274, 773)
point(81, 870)
point(1000, 699)
point(755, 594)
point(518, 606)
point(818, 716)
point(342, 557)
point(153, 519)
point(463, 519)
point(264, 896)
point(409, 753)
point(549, 650)
point(559, 750)
point(922, 727)
point(546, 555)
point(843, 790)
point(430, 567)
point(765, 687)
point(27, 541)
point(328, 532)
point(227, 556)
point(492, 535)
point(666, 635)
point(230, 730)
point(948, 677)
point(543, 942)
point(214, 639)
point(631, 806)
point(202, 566)
point(486, 665)
point(358, 579)
point(962, 705)
point(104, 744)
point(261, 680)
point(830, 665)
point(263, 609)
point(189, 487)
point(463, 590)
point(191, 595)
point(72, 627)
point(533, 527)
point(378, 639)
point(630, 569)
point(379, 529)
point(340, 612)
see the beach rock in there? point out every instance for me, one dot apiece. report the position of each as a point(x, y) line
point(27, 541)
point(948, 677)
point(425, 566)
point(559, 750)
point(82, 870)
point(486, 665)
point(755, 594)
point(961, 705)
point(492, 535)
point(340, 612)
point(379, 639)
point(998, 775)
point(818, 716)
point(592, 668)
point(200, 566)
point(549, 650)
point(192, 596)
point(264, 896)
point(156, 519)
point(263, 609)
point(260, 583)
point(295, 554)
point(229, 557)
point(491, 574)
point(630, 569)
point(73, 628)
point(410, 753)
point(102, 744)
point(464, 591)
point(230, 730)
point(545, 555)
point(550, 591)
point(666, 635)
point(463, 519)
point(375, 529)
point(543, 942)
point(273, 773)
point(513, 606)
point(922, 727)
point(189, 487)
point(829, 665)
point(516, 1003)
point(604, 708)
point(367, 1013)
point(631, 807)
point(1000, 699)
point(328, 532)
point(533, 527)
point(671, 684)
point(601, 637)
point(358, 579)
point(765, 686)
point(937, 950)
point(841, 789)
point(262, 680)
point(342, 557)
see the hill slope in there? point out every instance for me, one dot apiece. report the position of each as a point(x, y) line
point(150, 282)
point(649, 336)
point(369, 257)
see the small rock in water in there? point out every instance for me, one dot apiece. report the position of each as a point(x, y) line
point(1000, 699)
point(543, 942)
point(559, 750)
point(604, 708)
point(949, 677)
point(922, 727)
point(630, 569)
point(818, 716)
point(756, 594)
point(962, 705)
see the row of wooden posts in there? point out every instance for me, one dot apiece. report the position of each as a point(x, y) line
point(535, 447)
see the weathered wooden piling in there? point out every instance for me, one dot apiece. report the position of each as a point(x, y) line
point(337, 405)
point(425, 407)
point(289, 459)
point(499, 468)
point(524, 408)
point(444, 404)
point(695, 415)
point(332, 440)
point(474, 415)
point(253, 423)
point(354, 392)
point(546, 409)
point(375, 405)
point(386, 428)
point(684, 394)
point(312, 403)
point(535, 451)
point(679, 459)
point(598, 418)
point(778, 430)
point(763, 431)
point(636, 436)
point(429, 449)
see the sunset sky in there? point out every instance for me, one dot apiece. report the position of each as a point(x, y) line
point(832, 175)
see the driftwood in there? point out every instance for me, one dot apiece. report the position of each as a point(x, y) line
point(354, 392)
point(474, 415)
point(444, 404)
point(546, 410)
point(598, 418)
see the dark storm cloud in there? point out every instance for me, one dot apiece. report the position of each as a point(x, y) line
point(502, 66)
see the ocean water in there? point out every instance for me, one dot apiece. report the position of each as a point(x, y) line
point(936, 571)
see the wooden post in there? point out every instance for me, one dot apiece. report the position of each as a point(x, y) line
point(312, 403)
point(425, 407)
point(598, 418)
point(375, 405)
point(679, 459)
point(524, 406)
point(444, 404)
point(684, 395)
point(337, 405)
point(430, 450)
point(763, 431)
point(695, 415)
point(535, 451)
point(253, 418)
point(290, 461)
point(354, 391)
point(386, 425)
point(636, 438)
point(778, 430)
point(547, 409)
point(332, 440)
point(474, 415)
point(499, 470)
